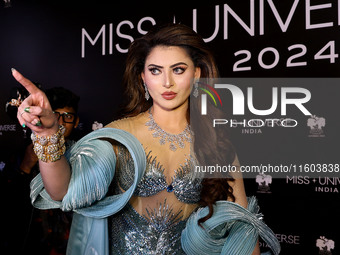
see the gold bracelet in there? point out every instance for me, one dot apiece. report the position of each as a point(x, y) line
point(49, 148)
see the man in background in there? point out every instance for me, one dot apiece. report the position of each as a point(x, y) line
point(25, 228)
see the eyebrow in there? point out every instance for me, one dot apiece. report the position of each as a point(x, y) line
point(65, 112)
point(179, 63)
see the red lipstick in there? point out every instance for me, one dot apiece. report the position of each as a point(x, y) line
point(169, 95)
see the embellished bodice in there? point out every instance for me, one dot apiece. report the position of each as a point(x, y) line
point(166, 195)
point(185, 185)
point(133, 234)
point(158, 227)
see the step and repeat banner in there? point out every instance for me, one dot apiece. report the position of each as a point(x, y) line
point(280, 86)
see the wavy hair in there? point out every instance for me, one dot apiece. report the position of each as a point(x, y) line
point(181, 36)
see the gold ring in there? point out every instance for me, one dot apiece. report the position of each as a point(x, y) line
point(15, 102)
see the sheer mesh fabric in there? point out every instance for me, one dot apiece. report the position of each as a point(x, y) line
point(165, 171)
point(153, 220)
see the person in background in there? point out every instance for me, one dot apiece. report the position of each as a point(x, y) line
point(65, 107)
point(132, 184)
point(39, 231)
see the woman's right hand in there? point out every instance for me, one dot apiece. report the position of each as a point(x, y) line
point(35, 111)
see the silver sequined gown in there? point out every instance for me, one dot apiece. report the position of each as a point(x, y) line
point(158, 229)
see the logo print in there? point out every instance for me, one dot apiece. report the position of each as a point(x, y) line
point(7, 3)
point(264, 180)
point(96, 125)
point(240, 100)
point(325, 245)
point(208, 92)
point(316, 124)
point(2, 165)
point(204, 96)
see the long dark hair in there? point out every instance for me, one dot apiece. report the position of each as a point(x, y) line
point(182, 36)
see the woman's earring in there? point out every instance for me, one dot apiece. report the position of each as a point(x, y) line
point(147, 96)
point(195, 93)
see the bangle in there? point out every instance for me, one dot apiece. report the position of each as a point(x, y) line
point(49, 148)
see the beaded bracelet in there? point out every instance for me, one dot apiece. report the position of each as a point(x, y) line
point(49, 148)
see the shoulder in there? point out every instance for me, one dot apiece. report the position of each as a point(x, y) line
point(119, 124)
point(129, 124)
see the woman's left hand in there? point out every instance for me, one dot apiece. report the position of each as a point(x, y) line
point(35, 111)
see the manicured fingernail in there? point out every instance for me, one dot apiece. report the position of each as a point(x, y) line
point(38, 124)
point(27, 109)
point(13, 69)
point(24, 125)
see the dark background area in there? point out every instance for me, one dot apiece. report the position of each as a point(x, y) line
point(43, 40)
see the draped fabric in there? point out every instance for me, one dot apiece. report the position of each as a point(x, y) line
point(93, 163)
point(231, 230)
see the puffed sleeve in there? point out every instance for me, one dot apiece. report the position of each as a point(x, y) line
point(93, 160)
point(232, 229)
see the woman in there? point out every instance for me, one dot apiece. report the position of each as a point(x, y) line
point(161, 68)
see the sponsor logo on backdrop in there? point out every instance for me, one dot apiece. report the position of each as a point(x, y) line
point(325, 245)
point(107, 31)
point(7, 3)
point(2, 166)
point(319, 184)
point(96, 125)
point(263, 181)
point(268, 15)
point(288, 239)
point(7, 128)
point(316, 125)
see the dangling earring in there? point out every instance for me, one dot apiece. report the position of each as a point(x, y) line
point(195, 93)
point(147, 96)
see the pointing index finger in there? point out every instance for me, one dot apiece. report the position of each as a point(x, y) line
point(31, 88)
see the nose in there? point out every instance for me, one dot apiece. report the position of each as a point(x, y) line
point(168, 80)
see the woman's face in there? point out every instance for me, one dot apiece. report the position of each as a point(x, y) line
point(168, 74)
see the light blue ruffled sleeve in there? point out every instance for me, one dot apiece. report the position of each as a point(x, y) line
point(231, 230)
point(93, 161)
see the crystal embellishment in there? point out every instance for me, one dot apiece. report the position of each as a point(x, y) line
point(195, 93)
point(169, 188)
point(174, 140)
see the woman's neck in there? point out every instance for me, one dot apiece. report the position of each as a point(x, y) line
point(172, 121)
